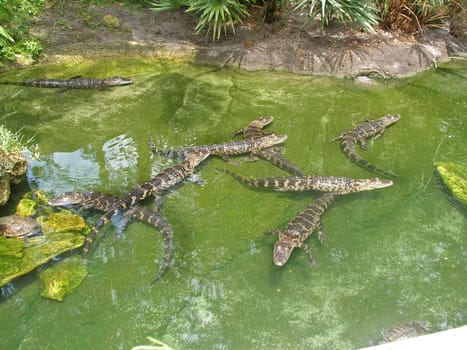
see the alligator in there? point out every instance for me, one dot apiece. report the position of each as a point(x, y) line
point(73, 83)
point(253, 131)
point(335, 184)
point(224, 149)
point(160, 183)
point(104, 202)
point(370, 128)
point(299, 229)
point(405, 331)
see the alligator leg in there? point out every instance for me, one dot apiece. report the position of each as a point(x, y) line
point(157, 202)
point(362, 142)
point(307, 249)
point(271, 232)
point(321, 234)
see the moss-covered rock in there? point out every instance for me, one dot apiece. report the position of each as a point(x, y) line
point(111, 21)
point(13, 163)
point(26, 207)
point(34, 252)
point(62, 231)
point(63, 222)
point(454, 177)
point(62, 278)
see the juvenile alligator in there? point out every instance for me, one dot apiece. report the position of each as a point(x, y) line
point(370, 128)
point(73, 83)
point(299, 229)
point(224, 149)
point(253, 131)
point(335, 184)
point(161, 182)
point(104, 202)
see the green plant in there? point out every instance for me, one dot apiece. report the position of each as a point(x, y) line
point(15, 16)
point(364, 13)
point(11, 143)
point(214, 15)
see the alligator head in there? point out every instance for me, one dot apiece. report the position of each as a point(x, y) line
point(272, 139)
point(194, 158)
point(117, 81)
point(389, 119)
point(66, 199)
point(261, 122)
point(282, 250)
point(372, 184)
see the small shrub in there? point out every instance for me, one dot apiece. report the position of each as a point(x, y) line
point(15, 17)
point(363, 13)
point(216, 16)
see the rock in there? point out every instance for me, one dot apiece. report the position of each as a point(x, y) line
point(63, 222)
point(454, 176)
point(111, 22)
point(364, 80)
point(13, 166)
point(26, 207)
point(62, 278)
point(33, 253)
point(62, 232)
point(4, 190)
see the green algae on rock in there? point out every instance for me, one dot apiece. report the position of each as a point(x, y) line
point(454, 177)
point(63, 231)
point(62, 278)
point(63, 222)
point(33, 253)
point(26, 207)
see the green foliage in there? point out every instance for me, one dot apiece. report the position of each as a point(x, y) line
point(12, 141)
point(214, 15)
point(15, 18)
point(364, 13)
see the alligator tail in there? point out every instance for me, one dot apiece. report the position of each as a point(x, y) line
point(249, 181)
point(280, 162)
point(166, 230)
point(17, 83)
point(355, 157)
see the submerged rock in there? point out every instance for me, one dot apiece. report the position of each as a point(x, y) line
point(18, 257)
point(63, 222)
point(26, 207)
point(62, 278)
point(454, 177)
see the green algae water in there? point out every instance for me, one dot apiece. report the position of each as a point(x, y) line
point(390, 256)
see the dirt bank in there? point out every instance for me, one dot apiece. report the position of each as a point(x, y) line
point(77, 31)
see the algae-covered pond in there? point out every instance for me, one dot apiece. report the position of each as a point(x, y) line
point(393, 255)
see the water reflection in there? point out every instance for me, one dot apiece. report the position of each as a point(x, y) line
point(80, 170)
point(65, 171)
point(121, 160)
